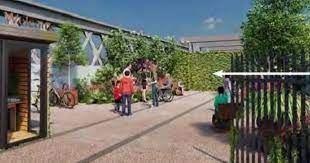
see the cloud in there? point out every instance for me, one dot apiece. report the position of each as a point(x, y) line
point(212, 22)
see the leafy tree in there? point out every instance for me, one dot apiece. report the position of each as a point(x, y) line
point(141, 48)
point(171, 55)
point(69, 44)
point(120, 50)
point(157, 53)
point(68, 49)
point(274, 27)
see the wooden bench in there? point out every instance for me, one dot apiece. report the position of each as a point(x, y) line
point(228, 111)
point(225, 114)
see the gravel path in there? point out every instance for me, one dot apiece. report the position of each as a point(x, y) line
point(180, 131)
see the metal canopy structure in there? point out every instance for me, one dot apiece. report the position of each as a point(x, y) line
point(33, 35)
point(56, 16)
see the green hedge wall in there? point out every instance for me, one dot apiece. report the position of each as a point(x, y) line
point(196, 69)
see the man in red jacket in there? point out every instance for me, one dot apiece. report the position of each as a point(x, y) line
point(126, 90)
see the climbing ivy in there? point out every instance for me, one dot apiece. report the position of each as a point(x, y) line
point(196, 70)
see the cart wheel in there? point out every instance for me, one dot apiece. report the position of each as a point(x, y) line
point(68, 100)
point(168, 96)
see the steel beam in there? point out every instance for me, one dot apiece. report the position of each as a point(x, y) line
point(56, 16)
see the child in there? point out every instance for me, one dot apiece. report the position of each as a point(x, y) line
point(181, 88)
point(117, 96)
point(221, 98)
point(126, 90)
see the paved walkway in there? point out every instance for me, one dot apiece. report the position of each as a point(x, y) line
point(178, 132)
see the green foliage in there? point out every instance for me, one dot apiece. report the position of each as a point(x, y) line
point(196, 70)
point(100, 97)
point(69, 44)
point(124, 49)
point(119, 48)
point(275, 106)
point(295, 155)
point(276, 154)
point(277, 26)
point(141, 48)
point(234, 137)
point(83, 91)
point(137, 97)
point(161, 56)
point(106, 73)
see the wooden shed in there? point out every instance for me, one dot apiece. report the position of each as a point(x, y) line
point(16, 45)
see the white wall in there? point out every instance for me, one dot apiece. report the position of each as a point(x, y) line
point(60, 75)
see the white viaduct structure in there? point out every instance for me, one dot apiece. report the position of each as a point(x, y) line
point(27, 14)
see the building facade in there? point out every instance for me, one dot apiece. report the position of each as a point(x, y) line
point(213, 43)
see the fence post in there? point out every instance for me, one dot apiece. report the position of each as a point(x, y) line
point(247, 109)
point(232, 80)
point(303, 143)
point(294, 108)
point(259, 116)
point(242, 106)
point(265, 115)
point(287, 108)
point(253, 108)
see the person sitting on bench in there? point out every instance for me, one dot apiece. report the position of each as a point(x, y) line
point(221, 98)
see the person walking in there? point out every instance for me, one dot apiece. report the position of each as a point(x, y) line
point(227, 87)
point(153, 69)
point(127, 91)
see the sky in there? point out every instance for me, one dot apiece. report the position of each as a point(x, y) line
point(175, 18)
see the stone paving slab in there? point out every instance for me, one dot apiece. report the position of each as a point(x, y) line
point(86, 142)
point(189, 139)
point(69, 119)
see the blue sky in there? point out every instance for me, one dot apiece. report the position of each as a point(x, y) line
point(176, 18)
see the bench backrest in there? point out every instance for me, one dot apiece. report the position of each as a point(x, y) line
point(228, 111)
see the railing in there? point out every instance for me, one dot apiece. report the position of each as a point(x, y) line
point(274, 120)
